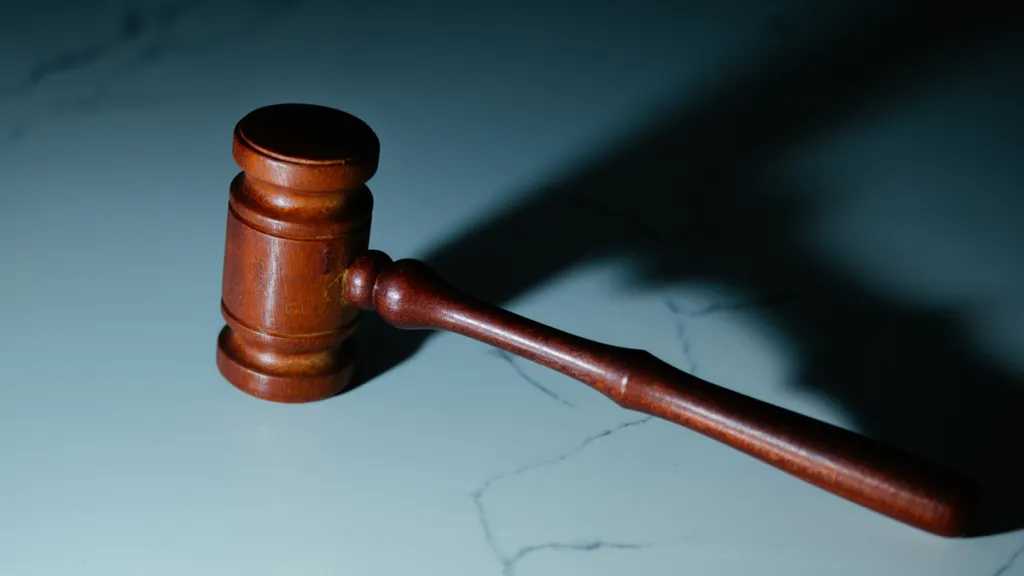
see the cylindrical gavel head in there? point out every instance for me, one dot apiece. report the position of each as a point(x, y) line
point(298, 214)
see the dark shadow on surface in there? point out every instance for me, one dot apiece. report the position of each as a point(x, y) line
point(701, 179)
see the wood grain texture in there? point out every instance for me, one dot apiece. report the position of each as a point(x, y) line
point(407, 294)
point(298, 214)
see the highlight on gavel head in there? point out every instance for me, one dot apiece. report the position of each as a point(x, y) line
point(298, 214)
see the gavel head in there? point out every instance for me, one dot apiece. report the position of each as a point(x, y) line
point(298, 214)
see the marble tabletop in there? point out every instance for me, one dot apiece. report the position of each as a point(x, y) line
point(816, 207)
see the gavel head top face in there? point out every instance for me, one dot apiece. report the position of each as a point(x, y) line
point(298, 215)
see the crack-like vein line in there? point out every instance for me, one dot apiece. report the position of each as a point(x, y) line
point(134, 26)
point(134, 29)
point(768, 301)
point(509, 568)
point(655, 242)
point(511, 360)
point(682, 335)
point(603, 211)
point(761, 303)
point(1009, 563)
point(259, 14)
point(508, 561)
point(131, 27)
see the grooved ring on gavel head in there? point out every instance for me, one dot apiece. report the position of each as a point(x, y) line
point(298, 214)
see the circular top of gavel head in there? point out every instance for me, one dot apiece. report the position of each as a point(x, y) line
point(298, 215)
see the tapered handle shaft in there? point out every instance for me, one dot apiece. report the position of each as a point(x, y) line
point(902, 486)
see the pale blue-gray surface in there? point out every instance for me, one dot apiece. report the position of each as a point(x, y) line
point(123, 452)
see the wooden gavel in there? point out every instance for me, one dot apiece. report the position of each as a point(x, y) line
point(298, 268)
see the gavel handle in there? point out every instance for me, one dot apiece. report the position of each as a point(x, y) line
point(902, 486)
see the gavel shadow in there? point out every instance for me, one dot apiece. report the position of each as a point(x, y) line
point(693, 199)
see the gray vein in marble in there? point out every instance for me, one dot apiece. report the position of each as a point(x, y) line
point(508, 561)
point(512, 361)
point(509, 568)
point(131, 28)
point(681, 316)
point(134, 27)
point(152, 34)
point(764, 302)
point(759, 303)
point(682, 336)
point(1009, 563)
point(608, 213)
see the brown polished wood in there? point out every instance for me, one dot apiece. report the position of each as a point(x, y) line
point(407, 294)
point(297, 268)
point(298, 214)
